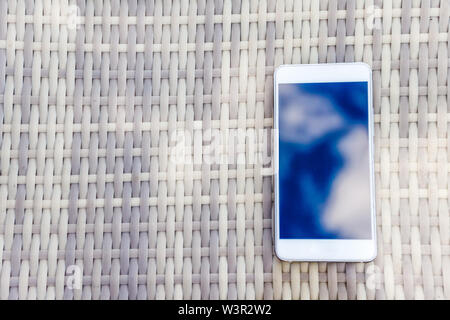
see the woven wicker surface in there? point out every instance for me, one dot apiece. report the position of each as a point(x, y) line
point(90, 205)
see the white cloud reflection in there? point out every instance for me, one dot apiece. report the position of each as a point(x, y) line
point(347, 211)
point(305, 118)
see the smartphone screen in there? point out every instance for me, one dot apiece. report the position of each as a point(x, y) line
point(324, 166)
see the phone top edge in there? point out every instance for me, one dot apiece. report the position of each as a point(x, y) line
point(323, 72)
point(324, 64)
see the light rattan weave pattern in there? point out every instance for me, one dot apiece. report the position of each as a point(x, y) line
point(88, 106)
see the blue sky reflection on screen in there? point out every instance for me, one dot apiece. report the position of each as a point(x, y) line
point(324, 173)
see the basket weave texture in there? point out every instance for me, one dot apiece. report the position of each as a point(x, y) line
point(91, 92)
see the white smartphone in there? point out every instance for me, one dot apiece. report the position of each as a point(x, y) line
point(324, 172)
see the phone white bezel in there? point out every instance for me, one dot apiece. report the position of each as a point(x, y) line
point(324, 249)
